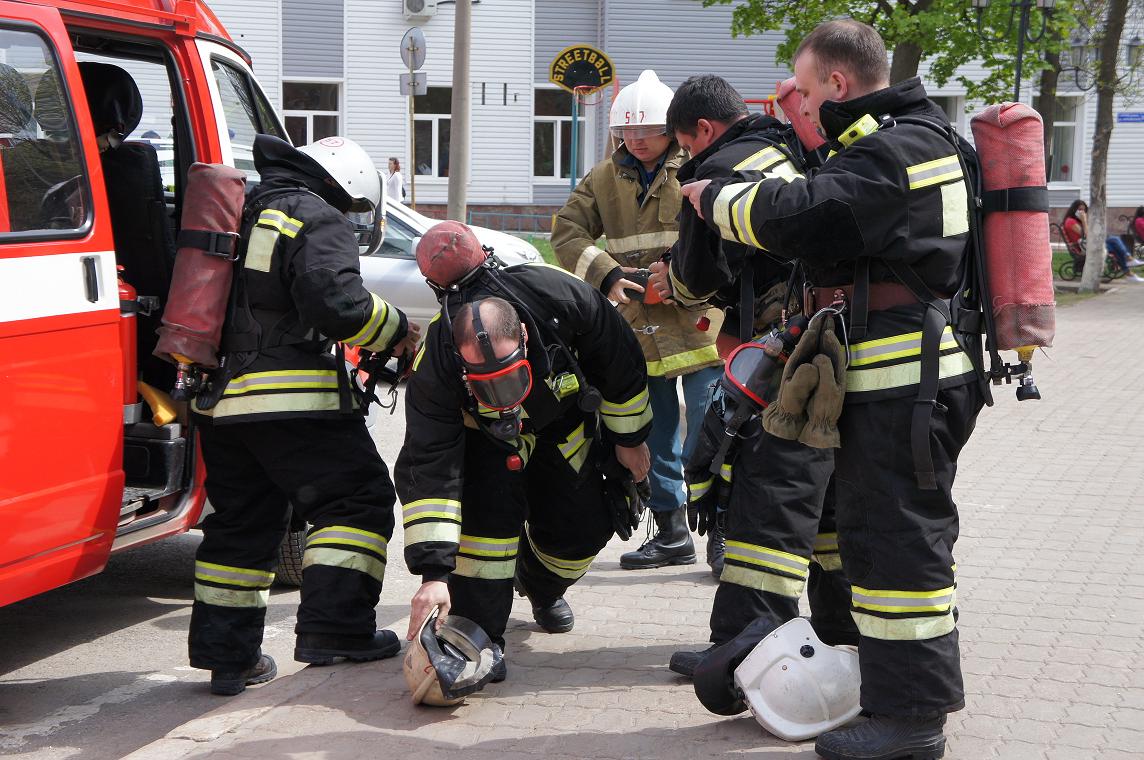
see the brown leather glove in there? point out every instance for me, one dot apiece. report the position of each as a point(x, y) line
point(786, 416)
point(825, 405)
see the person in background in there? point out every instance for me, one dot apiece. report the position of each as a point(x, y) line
point(394, 182)
point(1075, 229)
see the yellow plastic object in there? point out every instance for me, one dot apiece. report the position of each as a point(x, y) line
point(1025, 353)
point(162, 407)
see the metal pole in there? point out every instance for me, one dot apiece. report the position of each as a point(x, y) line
point(412, 146)
point(1022, 30)
point(459, 134)
point(575, 141)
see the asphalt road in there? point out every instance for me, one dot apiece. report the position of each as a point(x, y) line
point(99, 668)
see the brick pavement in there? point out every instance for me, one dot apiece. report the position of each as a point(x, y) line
point(1051, 589)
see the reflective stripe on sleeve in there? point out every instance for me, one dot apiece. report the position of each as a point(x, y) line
point(628, 416)
point(492, 570)
point(585, 260)
point(764, 159)
point(643, 241)
point(934, 172)
point(435, 531)
point(483, 546)
point(722, 208)
point(696, 491)
point(278, 220)
point(441, 509)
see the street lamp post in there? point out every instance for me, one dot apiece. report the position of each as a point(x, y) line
point(1019, 10)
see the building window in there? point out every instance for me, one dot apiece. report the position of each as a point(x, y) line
point(951, 106)
point(311, 110)
point(1066, 121)
point(552, 135)
point(431, 132)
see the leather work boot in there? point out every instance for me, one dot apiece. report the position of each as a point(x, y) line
point(500, 670)
point(554, 617)
point(324, 648)
point(228, 683)
point(671, 544)
point(717, 545)
point(885, 737)
point(685, 662)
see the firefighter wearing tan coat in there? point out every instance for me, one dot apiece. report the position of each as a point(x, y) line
point(633, 199)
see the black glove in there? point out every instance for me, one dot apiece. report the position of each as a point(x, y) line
point(625, 497)
point(705, 492)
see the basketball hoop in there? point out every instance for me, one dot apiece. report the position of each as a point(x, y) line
point(588, 95)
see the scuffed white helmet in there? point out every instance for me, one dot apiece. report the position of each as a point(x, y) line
point(796, 686)
point(640, 110)
point(351, 167)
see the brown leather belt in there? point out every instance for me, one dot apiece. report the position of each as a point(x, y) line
point(883, 295)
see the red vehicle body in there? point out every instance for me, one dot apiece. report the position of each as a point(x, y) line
point(82, 472)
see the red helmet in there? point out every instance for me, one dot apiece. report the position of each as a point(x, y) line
point(448, 253)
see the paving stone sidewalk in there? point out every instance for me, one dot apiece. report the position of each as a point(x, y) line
point(1050, 590)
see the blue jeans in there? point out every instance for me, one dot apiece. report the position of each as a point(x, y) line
point(1119, 251)
point(666, 453)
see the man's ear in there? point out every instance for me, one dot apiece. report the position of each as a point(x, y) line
point(703, 126)
point(524, 333)
point(840, 84)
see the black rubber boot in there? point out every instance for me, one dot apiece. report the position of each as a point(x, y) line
point(323, 648)
point(685, 662)
point(554, 618)
point(671, 544)
point(885, 737)
point(717, 545)
point(229, 683)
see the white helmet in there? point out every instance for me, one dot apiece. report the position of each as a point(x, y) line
point(354, 171)
point(796, 686)
point(642, 104)
point(444, 665)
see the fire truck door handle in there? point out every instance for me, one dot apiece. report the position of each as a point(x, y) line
point(91, 277)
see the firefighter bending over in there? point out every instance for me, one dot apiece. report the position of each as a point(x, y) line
point(526, 417)
point(280, 427)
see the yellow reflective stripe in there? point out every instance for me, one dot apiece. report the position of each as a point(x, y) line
point(786, 171)
point(576, 461)
point(741, 217)
point(260, 249)
point(565, 568)
point(826, 542)
point(954, 209)
point(634, 405)
point(895, 347)
point(282, 379)
point(705, 355)
point(338, 535)
point(680, 291)
point(573, 442)
point(325, 401)
point(902, 601)
point(390, 324)
point(493, 570)
point(287, 225)
point(762, 580)
point(830, 562)
point(766, 557)
point(443, 532)
point(444, 509)
point(483, 546)
point(764, 159)
point(629, 424)
point(421, 351)
point(725, 472)
point(900, 375)
point(585, 260)
point(231, 597)
point(376, 316)
point(721, 209)
point(934, 172)
point(643, 241)
point(696, 491)
point(343, 558)
point(527, 444)
point(232, 576)
point(904, 629)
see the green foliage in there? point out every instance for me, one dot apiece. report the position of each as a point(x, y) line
point(945, 30)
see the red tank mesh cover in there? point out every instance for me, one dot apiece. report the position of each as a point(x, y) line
point(1009, 138)
point(200, 286)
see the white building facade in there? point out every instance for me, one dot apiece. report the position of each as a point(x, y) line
point(333, 67)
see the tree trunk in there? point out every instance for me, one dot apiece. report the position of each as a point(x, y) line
point(1105, 93)
point(907, 56)
point(1046, 105)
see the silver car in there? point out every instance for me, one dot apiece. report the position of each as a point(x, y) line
point(392, 272)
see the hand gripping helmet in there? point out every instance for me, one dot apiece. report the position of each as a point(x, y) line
point(351, 168)
point(445, 665)
point(448, 253)
point(796, 686)
point(640, 110)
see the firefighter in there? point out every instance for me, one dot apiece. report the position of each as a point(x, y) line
point(526, 417)
point(882, 227)
point(781, 534)
point(633, 199)
point(280, 428)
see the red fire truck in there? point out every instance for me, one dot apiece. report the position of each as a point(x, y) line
point(87, 466)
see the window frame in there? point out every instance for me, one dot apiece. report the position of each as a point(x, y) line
point(1076, 124)
point(309, 114)
point(561, 123)
point(435, 139)
point(85, 227)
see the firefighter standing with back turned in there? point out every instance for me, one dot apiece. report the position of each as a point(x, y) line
point(527, 413)
point(280, 427)
point(883, 225)
point(781, 533)
point(633, 199)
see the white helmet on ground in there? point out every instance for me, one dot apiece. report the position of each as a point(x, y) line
point(353, 170)
point(444, 665)
point(640, 110)
point(796, 686)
